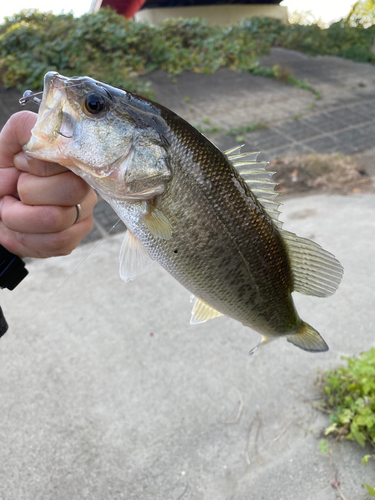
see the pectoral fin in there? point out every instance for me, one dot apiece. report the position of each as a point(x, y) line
point(134, 258)
point(202, 312)
point(157, 223)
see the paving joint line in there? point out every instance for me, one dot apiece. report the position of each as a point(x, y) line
point(319, 135)
point(313, 114)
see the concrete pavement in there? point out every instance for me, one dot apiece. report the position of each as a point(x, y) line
point(107, 391)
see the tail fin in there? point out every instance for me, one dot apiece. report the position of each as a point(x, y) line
point(308, 339)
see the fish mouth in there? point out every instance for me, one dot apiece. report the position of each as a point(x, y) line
point(55, 119)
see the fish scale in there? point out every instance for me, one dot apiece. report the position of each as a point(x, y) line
point(218, 271)
point(209, 218)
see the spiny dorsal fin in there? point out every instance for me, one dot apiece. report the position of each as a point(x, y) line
point(134, 258)
point(235, 153)
point(315, 271)
point(202, 312)
point(258, 179)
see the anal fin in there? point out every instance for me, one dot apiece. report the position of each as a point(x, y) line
point(308, 339)
point(202, 312)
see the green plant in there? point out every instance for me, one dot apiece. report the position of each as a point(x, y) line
point(349, 397)
point(106, 46)
point(283, 75)
point(207, 130)
point(246, 129)
point(370, 489)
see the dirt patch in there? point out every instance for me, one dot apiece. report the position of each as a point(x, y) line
point(328, 173)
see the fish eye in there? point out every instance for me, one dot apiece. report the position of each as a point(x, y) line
point(94, 103)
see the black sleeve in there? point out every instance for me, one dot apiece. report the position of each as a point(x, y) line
point(3, 323)
point(12, 272)
point(12, 269)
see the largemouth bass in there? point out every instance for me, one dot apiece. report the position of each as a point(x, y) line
point(209, 218)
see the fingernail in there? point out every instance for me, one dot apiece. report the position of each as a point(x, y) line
point(20, 161)
point(1, 205)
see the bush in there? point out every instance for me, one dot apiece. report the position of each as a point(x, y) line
point(108, 47)
point(340, 39)
point(100, 45)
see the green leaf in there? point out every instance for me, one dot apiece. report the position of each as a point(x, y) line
point(365, 459)
point(357, 435)
point(323, 446)
point(371, 490)
point(330, 429)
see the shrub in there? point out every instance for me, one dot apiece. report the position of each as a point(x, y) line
point(349, 396)
point(108, 47)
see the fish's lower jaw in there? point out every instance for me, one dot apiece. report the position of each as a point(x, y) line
point(43, 150)
point(34, 144)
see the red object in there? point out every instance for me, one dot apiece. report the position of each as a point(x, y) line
point(127, 8)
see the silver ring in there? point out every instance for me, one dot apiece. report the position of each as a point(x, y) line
point(79, 213)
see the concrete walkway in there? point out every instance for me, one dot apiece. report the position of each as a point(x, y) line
point(107, 391)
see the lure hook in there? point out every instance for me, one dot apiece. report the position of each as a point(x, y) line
point(29, 95)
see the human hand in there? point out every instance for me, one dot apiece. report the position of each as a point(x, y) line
point(38, 199)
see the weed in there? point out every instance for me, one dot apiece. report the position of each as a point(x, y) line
point(282, 74)
point(207, 130)
point(247, 129)
point(349, 396)
point(370, 489)
point(323, 446)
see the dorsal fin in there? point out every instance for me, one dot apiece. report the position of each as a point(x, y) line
point(315, 271)
point(202, 312)
point(258, 179)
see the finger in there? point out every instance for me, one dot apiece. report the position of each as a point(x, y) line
point(15, 134)
point(65, 189)
point(8, 181)
point(37, 167)
point(39, 219)
point(46, 245)
point(51, 244)
point(9, 241)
